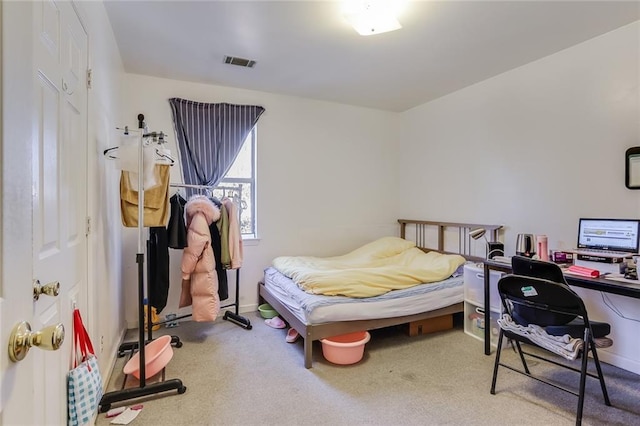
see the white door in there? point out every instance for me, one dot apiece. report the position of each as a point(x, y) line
point(44, 190)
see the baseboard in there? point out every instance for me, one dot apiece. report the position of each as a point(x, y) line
point(253, 307)
point(111, 365)
point(625, 363)
point(113, 357)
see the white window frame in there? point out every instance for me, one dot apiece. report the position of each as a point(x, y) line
point(223, 187)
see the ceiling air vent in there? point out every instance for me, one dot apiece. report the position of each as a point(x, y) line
point(241, 62)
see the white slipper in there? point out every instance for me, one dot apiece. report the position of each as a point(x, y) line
point(292, 335)
point(275, 322)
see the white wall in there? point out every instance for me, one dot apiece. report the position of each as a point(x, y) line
point(105, 317)
point(534, 149)
point(326, 178)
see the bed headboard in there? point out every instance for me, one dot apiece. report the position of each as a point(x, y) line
point(446, 237)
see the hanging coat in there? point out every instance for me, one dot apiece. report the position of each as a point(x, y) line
point(234, 235)
point(216, 244)
point(177, 229)
point(200, 280)
point(158, 268)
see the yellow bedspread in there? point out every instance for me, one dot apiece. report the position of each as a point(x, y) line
point(389, 263)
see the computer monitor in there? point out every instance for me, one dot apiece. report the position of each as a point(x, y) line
point(609, 234)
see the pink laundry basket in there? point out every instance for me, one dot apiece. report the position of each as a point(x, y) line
point(345, 348)
point(157, 355)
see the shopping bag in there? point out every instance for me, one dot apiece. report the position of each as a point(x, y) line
point(84, 383)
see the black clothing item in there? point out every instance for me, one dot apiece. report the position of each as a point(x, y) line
point(217, 202)
point(158, 267)
point(223, 286)
point(177, 229)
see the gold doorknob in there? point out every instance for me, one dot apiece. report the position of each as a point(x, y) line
point(22, 339)
point(50, 289)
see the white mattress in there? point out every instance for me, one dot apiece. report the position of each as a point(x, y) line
point(318, 309)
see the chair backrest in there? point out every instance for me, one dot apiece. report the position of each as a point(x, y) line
point(521, 265)
point(546, 302)
point(524, 266)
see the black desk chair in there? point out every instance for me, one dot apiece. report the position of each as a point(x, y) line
point(542, 304)
point(558, 324)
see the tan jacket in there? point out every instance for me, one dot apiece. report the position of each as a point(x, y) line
point(233, 235)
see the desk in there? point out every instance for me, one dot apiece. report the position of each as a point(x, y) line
point(599, 284)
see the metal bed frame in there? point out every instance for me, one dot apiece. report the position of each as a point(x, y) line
point(444, 237)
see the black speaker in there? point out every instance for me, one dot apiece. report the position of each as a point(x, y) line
point(494, 248)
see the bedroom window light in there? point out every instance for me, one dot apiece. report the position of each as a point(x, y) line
point(239, 184)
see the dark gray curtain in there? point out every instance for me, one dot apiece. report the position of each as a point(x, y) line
point(209, 137)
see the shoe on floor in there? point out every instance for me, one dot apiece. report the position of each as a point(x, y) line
point(275, 322)
point(292, 335)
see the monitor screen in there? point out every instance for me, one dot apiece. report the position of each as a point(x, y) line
point(609, 234)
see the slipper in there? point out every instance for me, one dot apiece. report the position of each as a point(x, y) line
point(275, 322)
point(292, 335)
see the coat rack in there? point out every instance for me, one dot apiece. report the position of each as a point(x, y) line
point(235, 316)
point(143, 389)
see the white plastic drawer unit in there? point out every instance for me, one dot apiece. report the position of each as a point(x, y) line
point(474, 286)
point(475, 323)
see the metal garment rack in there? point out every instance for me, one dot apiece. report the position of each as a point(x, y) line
point(143, 389)
point(233, 317)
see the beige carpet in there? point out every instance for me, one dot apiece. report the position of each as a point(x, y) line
point(253, 377)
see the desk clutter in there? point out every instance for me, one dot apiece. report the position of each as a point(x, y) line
point(604, 246)
point(573, 264)
point(595, 266)
point(588, 265)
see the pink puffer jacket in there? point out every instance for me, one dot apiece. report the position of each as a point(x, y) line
point(198, 263)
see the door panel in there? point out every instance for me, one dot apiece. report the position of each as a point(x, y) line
point(46, 212)
point(51, 174)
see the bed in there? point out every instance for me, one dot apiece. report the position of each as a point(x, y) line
point(318, 316)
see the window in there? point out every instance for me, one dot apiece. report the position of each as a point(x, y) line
point(239, 184)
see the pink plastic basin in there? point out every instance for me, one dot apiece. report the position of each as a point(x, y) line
point(345, 348)
point(157, 355)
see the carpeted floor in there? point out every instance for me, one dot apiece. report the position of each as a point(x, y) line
point(253, 377)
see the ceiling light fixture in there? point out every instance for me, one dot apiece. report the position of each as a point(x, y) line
point(369, 17)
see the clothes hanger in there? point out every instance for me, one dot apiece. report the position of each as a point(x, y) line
point(109, 153)
point(162, 156)
point(181, 192)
